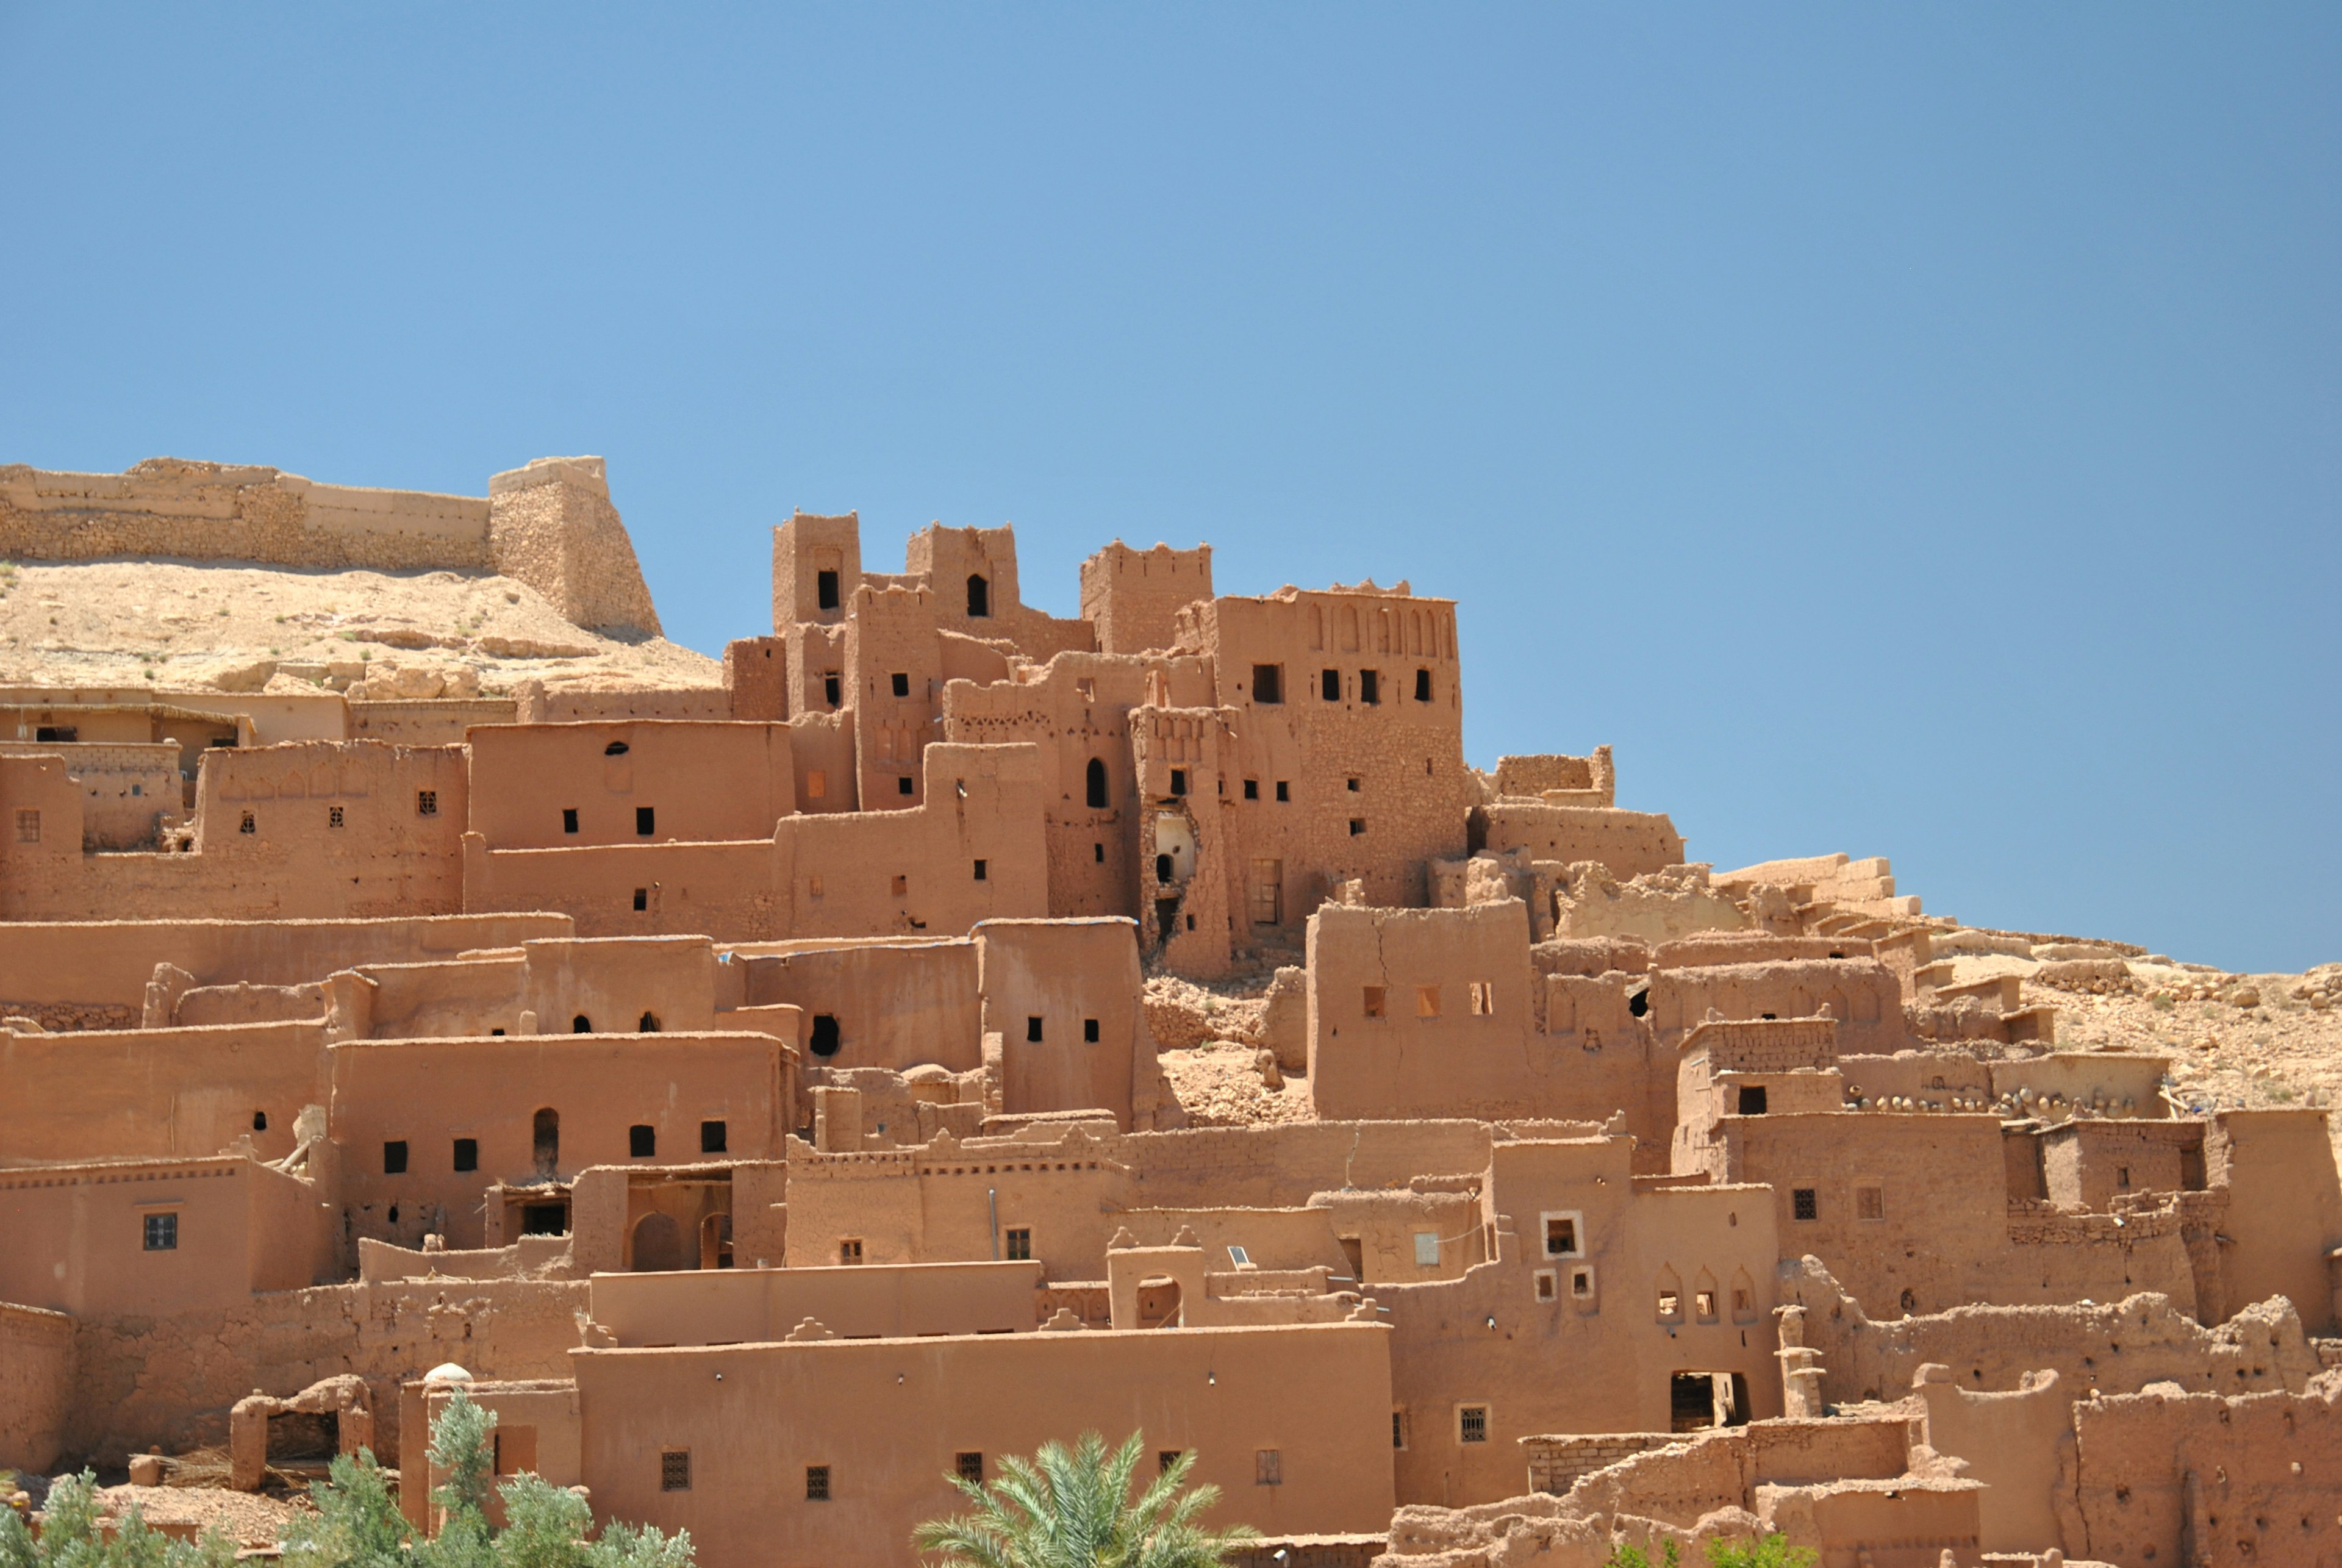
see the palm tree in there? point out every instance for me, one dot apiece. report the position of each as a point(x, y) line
point(1072, 1508)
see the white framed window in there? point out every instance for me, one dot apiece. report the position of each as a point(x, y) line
point(1548, 1285)
point(1562, 1232)
point(1426, 1249)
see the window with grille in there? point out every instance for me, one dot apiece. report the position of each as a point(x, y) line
point(161, 1232)
point(1267, 1467)
point(244, 824)
point(1398, 1429)
point(969, 1467)
point(1803, 1204)
point(1870, 1202)
point(849, 1251)
point(426, 802)
point(28, 824)
point(674, 1470)
point(333, 816)
point(1016, 1245)
point(817, 1483)
point(1472, 1423)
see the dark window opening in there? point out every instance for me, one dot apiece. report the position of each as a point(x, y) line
point(646, 820)
point(569, 819)
point(1167, 915)
point(1089, 1031)
point(902, 785)
point(1191, 922)
point(332, 813)
point(711, 1137)
point(969, 1467)
point(1472, 1423)
point(1803, 1204)
point(979, 872)
point(245, 823)
point(161, 1232)
point(1162, 868)
point(617, 749)
point(544, 1219)
point(1357, 825)
point(1560, 1237)
point(1329, 686)
point(830, 691)
point(647, 1024)
point(63, 733)
point(1252, 789)
point(426, 802)
point(581, 1024)
point(1179, 780)
point(817, 1483)
point(641, 898)
point(1016, 1245)
point(544, 1140)
point(393, 1158)
point(1284, 790)
point(1752, 1099)
point(825, 590)
point(979, 596)
point(1098, 852)
point(1356, 786)
point(260, 1121)
point(1691, 1401)
point(394, 1214)
point(1640, 1004)
point(1097, 780)
point(825, 1034)
point(675, 1463)
point(1164, 1458)
point(466, 1154)
point(1268, 683)
point(902, 683)
point(1422, 686)
point(1033, 1029)
point(642, 1140)
point(1370, 685)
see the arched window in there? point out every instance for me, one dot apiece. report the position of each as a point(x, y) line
point(581, 1024)
point(658, 1244)
point(546, 1131)
point(824, 1041)
point(979, 596)
point(649, 1024)
point(1097, 783)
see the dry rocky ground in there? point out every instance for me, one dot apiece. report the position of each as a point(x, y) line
point(187, 625)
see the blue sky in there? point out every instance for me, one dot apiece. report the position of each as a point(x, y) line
point(1907, 430)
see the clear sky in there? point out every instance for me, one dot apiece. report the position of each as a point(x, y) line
point(1907, 430)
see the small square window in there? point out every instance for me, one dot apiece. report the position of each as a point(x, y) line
point(674, 1470)
point(1089, 1031)
point(646, 820)
point(333, 816)
point(812, 887)
point(1803, 1204)
point(1482, 997)
point(1426, 1001)
point(1329, 686)
point(1164, 1458)
point(1284, 790)
point(1752, 1099)
point(1561, 1235)
point(1548, 1285)
point(1252, 789)
point(1268, 683)
point(1581, 1284)
point(1033, 1030)
point(244, 824)
point(1356, 786)
point(817, 1483)
point(1426, 1249)
point(1670, 1304)
point(1357, 826)
point(1370, 685)
point(1179, 780)
point(28, 824)
point(569, 819)
point(832, 688)
point(1267, 1467)
point(1472, 1423)
point(393, 1158)
point(642, 1140)
point(1870, 1203)
point(467, 1154)
point(979, 872)
point(1374, 1002)
point(2122, 1177)
point(1016, 1243)
point(426, 802)
point(849, 1251)
point(902, 683)
point(711, 1137)
point(161, 1232)
point(825, 590)
point(1703, 1306)
point(902, 785)
point(969, 1467)
point(641, 898)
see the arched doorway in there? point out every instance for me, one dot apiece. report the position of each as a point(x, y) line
point(658, 1244)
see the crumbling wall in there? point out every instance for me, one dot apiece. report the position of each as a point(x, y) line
point(551, 525)
point(36, 1366)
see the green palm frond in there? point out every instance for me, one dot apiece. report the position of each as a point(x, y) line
point(1071, 1507)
